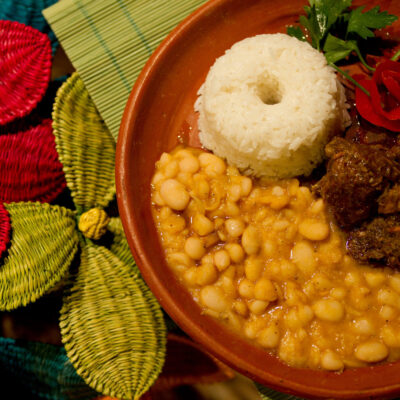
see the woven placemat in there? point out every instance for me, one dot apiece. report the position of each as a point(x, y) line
point(109, 41)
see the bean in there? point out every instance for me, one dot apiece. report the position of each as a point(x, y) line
point(206, 274)
point(303, 256)
point(364, 326)
point(292, 319)
point(253, 268)
point(201, 187)
point(268, 248)
point(234, 227)
point(258, 307)
point(317, 206)
point(213, 165)
point(269, 337)
point(177, 259)
point(213, 298)
point(246, 289)
point(279, 202)
point(328, 310)
point(157, 199)
point(234, 192)
point(288, 269)
point(231, 209)
point(313, 229)
point(375, 279)
point(235, 251)
point(189, 164)
point(251, 240)
point(164, 160)
point(246, 185)
point(174, 224)
point(202, 225)
point(388, 297)
point(194, 248)
point(174, 194)
point(171, 169)
point(222, 259)
point(388, 312)
point(252, 327)
point(240, 307)
point(190, 276)
point(331, 361)
point(371, 351)
point(390, 336)
point(338, 293)
point(265, 290)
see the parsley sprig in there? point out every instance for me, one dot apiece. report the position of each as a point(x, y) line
point(338, 31)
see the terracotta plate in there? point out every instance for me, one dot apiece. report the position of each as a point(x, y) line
point(159, 114)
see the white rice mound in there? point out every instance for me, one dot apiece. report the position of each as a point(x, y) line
point(269, 105)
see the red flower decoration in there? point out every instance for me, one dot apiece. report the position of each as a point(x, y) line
point(25, 66)
point(382, 107)
point(5, 229)
point(29, 165)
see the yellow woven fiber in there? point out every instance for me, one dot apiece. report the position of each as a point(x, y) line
point(112, 326)
point(43, 244)
point(85, 146)
point(93, 223)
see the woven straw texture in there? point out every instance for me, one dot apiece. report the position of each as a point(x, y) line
point(29, 153)
point(25, 65)
point(109, 41)
point(120, 246)
point(42, 370)
point(5, 228)
point(117, 347)
point(29, 12)
point(43, 244)
point(85, 147)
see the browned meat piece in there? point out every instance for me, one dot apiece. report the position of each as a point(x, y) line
point(389, 201)
point(356, 176)
point(377, 241)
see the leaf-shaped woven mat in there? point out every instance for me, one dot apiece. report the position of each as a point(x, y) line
point(29, 12)
point(29, 165)
point(270, 394)
point(112, 326)
point(43, 244)
point(85, 146)
point(42, 370)
point(25, 65)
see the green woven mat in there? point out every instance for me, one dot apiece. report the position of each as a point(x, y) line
point(109, 41)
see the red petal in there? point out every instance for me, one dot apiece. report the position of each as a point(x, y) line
point(391, 80)
point(5, 229)
point(25, 66)
point(29, 165)
point(387, 65)
point(366, 108)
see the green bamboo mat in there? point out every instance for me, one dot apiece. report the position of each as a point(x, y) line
point(109, 41)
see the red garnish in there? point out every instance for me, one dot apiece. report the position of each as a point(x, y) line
point(382, 107)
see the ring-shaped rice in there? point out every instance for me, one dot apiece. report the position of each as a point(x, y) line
point(269, 105)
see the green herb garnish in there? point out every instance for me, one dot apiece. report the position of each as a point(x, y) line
point(339, 31)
